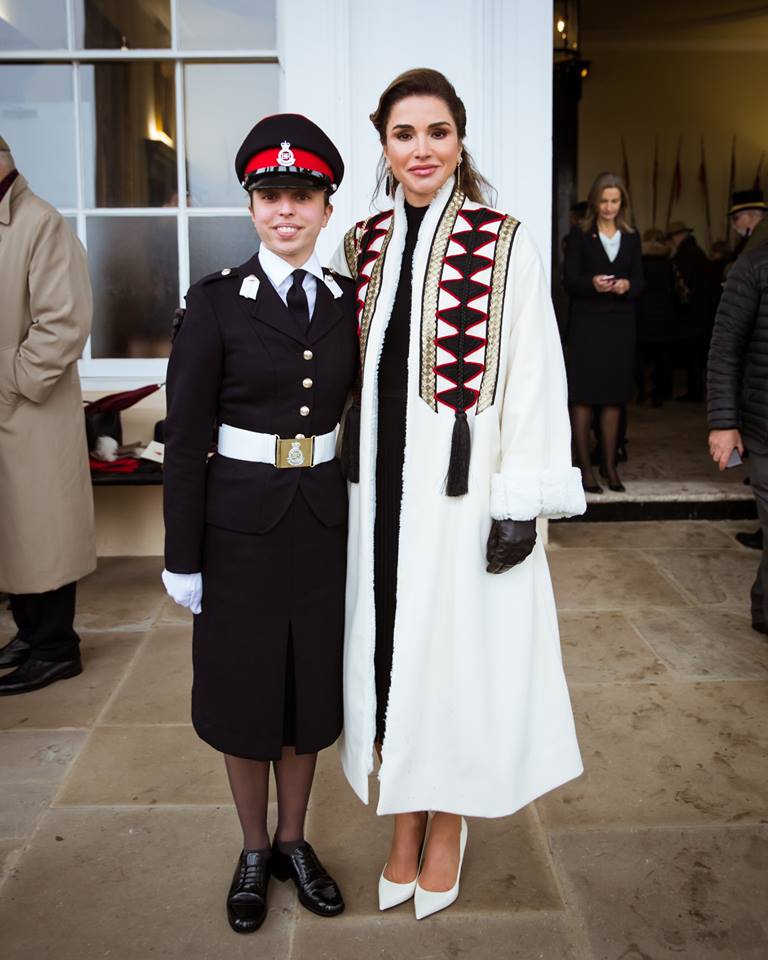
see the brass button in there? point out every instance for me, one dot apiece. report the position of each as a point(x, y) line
point(307, 383)
point(304, 411)
point(308, 354)
point(226, 272)
point(299, 436)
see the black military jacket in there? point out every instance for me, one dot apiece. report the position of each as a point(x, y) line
point(244, 362)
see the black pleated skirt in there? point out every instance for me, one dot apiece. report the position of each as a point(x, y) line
point(268, 645)
point(389, 495)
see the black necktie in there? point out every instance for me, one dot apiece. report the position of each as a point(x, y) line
point(297, 301)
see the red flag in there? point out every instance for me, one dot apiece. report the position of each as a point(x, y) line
point(759, 175)
point(655, 182)
point(705, 190)
point(121, 401)
point(624, 165)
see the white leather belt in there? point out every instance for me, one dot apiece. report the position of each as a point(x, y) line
point(239, 444)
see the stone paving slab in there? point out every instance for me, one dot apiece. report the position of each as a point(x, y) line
point(158, 686)
point(649, 894)
point(704, 644)
point(105, 658)
point(133, 885)
point(710, 577)
point(149, 764)
point(610, 580)
point(444, 936)
point(666, 754)
point(651, 534)
point(604, 648)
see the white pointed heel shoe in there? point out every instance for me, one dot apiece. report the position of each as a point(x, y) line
point(428, 902)
point(392, 894)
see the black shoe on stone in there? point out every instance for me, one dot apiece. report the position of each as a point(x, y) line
point(35, 674)
point(318, 891)
point(14, 653)
point(752, 540)
point(760, 627)
point(247, 897)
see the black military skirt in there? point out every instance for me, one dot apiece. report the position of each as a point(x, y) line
point(267, 647)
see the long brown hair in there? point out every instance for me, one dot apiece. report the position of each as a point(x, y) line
point(423, 82)
point(624, 218)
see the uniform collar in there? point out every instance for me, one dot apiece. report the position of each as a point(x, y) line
point(278, 270)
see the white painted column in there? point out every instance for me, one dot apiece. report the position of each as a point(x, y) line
point(337, 57)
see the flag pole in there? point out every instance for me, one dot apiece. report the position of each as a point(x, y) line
point(655, 183)
point(705, 189)
point(675, 186)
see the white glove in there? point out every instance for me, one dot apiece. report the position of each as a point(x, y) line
point(185, 588)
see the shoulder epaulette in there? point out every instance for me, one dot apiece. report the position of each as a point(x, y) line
point(224, 274)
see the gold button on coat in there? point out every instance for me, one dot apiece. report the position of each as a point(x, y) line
point(304, 411)
point(307, 383)
point(308, 354)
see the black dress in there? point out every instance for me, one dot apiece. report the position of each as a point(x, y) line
point(393, 387)
point(271, 543)
point(601, 335)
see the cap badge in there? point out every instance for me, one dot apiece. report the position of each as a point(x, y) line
point(286, 158)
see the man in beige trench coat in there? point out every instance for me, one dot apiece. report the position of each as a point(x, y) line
point(46, 502)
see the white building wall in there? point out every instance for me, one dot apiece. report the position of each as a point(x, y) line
point(338, 55)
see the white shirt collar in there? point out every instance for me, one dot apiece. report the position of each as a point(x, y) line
point(278, 270)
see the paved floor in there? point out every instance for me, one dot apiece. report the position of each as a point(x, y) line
point(669, 460)
point(118, 838)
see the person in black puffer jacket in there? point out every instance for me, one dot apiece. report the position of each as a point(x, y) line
point(737, 392)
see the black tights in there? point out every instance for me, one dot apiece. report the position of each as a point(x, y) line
point(581, 422)
point(249, 781)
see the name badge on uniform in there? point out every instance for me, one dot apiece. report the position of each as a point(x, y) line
point(332, 286)
point(250, 287)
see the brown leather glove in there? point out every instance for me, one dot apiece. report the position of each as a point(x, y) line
point(509, 543)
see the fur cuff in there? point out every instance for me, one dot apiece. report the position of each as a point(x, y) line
point(555, 493)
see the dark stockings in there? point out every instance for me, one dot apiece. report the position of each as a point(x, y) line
point(581, 423)
point(249, 782)
point(610, 417)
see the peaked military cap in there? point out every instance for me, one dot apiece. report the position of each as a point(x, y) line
point(747, 200)
point(288, 150)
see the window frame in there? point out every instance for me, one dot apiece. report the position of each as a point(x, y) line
point(119, 373)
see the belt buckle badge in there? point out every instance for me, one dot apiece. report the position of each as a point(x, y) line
point(294, 453)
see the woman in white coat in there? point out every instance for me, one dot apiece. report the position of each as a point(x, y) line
point(458, 440)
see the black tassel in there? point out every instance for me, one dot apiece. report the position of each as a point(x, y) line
point(457, 482)
point(350, 445)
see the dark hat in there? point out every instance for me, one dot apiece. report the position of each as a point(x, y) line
point(288, 150)
point(677, 226)
point(747, 200)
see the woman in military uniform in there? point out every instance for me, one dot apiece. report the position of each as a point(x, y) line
point(256, 535)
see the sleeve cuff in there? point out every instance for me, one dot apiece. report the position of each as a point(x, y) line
point(551, 494)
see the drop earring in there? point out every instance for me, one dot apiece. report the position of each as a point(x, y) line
point(388, 181)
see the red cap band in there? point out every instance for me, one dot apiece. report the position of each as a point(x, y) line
point(303, 159)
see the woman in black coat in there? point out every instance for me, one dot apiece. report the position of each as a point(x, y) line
point(604, 275)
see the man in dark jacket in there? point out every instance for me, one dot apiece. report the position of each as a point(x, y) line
point(737, 392)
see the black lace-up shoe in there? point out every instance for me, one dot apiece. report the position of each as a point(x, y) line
point(14, 653)
point(35, 674)
point(247, 897)
point(317, 889)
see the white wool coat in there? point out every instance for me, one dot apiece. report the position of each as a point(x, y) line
point(479, 720)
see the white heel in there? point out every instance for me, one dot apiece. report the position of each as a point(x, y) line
point(427, 902)
point(392, 894)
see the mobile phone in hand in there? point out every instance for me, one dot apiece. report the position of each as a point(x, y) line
point(734, 460)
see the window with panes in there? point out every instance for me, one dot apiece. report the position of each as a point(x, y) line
point(126, 115)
